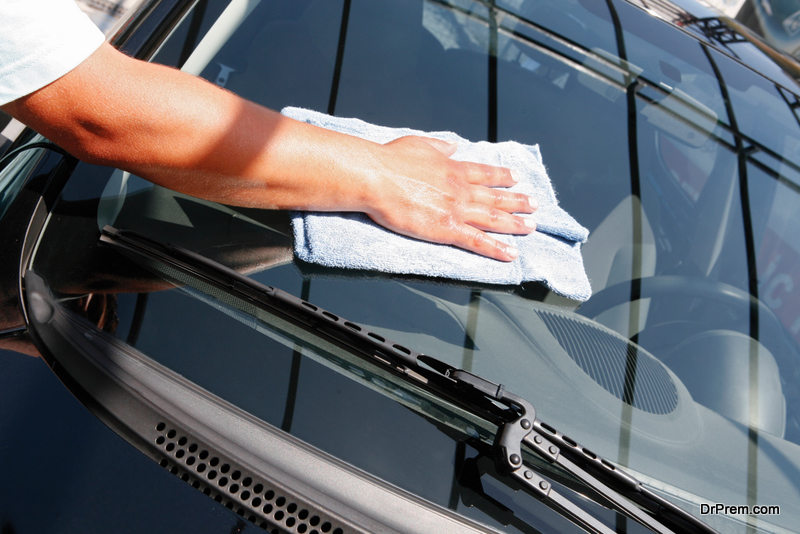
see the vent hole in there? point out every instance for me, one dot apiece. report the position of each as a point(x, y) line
point(161, 426)
point(201, 468)
point(225, 468)
point(214, 462)
point(193, 448)
point(212, 475)
point(290, 521)
point(269, 495)
point(376, 336)
point(160, 440)
point(326, 527)
point(171, 434)
point(278, 515)
point(301, 528)
point(258, 488)
point(203, 455)
point(314, 521)
point(247, 481)
point(170, 447)
point(190, 460)
point(267, 509)
point(329, 315)
point(234, 488)
point(182, 441)
point(223, 481)
point(280, 501)
point(257, 502)
point(245, 495)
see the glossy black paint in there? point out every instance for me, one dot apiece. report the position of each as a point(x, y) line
point(65, 472)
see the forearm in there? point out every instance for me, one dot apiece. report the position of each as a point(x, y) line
point(191, 136)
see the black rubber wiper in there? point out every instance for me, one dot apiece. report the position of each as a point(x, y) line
point(515, 417)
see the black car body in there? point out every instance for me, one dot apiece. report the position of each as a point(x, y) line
point(672, 137)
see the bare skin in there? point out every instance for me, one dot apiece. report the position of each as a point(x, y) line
point(188, 135)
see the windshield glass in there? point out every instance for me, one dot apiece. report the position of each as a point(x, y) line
point(682, 367)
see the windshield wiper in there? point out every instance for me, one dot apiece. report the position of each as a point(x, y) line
point(514, 416)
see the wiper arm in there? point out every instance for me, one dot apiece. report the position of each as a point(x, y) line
point(515, 417)
point(618, 487)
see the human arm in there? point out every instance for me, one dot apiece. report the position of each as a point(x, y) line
point(191, 136)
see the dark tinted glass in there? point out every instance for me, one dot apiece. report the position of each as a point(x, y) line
point(682, 163)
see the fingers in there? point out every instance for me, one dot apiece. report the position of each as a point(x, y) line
point(504, 200)
point(498, 221)
point(474, 173)
point(472, 239)
point(448, 148)
point(488, 175)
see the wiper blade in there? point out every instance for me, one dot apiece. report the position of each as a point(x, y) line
point(515, 417)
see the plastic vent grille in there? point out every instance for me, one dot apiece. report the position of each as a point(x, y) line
point(615, 364)
point(238, 490)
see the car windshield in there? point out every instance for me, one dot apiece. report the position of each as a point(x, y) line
point(683, 163)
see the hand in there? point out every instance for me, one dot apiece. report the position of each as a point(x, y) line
point(426, 195)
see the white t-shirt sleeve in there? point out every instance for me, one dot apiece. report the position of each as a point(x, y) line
point(40, 41)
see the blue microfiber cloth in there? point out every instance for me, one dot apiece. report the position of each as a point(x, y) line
point(550, 255)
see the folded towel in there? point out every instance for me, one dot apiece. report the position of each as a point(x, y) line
point(550, 255)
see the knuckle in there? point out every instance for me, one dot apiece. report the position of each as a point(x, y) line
point(496, 216)
point(448, 221)
point(479, 240)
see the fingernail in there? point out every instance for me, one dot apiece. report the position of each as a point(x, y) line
point(514, 175)
point(534, 203)
point(512, 252)
point(529, 223)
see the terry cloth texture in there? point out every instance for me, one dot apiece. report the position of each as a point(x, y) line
point(550, 255)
